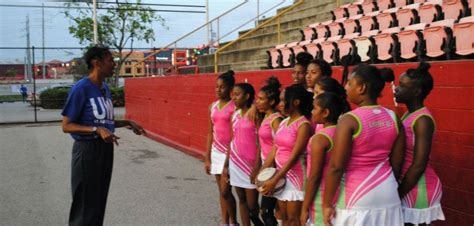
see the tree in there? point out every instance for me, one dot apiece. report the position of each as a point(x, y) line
point(123, 24)
point(11, 72)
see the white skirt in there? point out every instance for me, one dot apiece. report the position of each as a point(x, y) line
point(423, 216)
point(289, 193)
point(392, 216)
point(217, 161)
point(238, 178)
point(381, 206)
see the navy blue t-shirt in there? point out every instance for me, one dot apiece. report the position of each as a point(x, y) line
point(89, 105)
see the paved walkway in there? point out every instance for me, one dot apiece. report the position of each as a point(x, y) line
point(152, 184)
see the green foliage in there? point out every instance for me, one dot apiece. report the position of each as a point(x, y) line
point(118, 97)
point(120, 26)
point(54, 98)
point(11, 72)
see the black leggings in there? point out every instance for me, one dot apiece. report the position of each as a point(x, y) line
point(92, 163)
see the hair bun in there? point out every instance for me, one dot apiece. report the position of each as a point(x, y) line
point(423, 67)
point(387, 74)
point(273, 83)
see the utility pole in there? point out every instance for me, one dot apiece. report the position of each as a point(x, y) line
point(208, 33)
point(94, 18)
point(28, 50)
point(42, 29)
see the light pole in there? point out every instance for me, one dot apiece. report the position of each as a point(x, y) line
point(147, 71)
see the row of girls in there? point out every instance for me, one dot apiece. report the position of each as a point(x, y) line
point(343, 167)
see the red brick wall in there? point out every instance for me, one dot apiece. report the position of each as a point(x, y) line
point(175, 111)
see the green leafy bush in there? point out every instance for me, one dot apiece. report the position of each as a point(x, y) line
point(118, 97)
point(54, 98)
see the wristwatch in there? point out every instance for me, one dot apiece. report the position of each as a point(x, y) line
point(94, 129)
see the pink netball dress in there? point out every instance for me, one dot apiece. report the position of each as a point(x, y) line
point(221, 133)
point(243, 151)
point(266, 134)
point(368, 193)
point(285, 139)
point(422, 203)
point(316, 211)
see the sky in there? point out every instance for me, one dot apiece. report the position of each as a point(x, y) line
point(13, 25)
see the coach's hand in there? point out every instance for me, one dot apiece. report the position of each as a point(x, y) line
point(106, 135)
point(207, 166)
point(137, 129)
point(225, 174)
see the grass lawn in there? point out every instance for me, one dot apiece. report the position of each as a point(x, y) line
point(10, 98)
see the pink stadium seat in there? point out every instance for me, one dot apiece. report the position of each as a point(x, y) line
point(274, 58)
point(346, 45)
point(351, 25)
point(400, 3)
point(386, 19)
point(410, 40)
point(384, 4)
point(386, 44)
point(367, 23)
point(407, 16)
point(287, 55)
point(329, 50)
point(438, 38)
point(308, 33)
point(300, 47)
point(364, 44)
point(369, 6)
point(464, 36)
point(322, 31)
point(314, 48)
point(419, 1)
point(335, 29)
point(453, 9)
point(354, 9)
point(429, 12)
point(340, 12)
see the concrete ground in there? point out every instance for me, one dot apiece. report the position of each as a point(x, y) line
point(23, 112)
point(152, 184)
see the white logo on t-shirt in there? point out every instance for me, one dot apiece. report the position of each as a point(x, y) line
point(106, 108)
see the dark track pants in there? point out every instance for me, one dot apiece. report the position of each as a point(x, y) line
point(92, 163)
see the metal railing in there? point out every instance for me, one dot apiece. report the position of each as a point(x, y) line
point(277, 18)
point(218, 28)
point(173, 44)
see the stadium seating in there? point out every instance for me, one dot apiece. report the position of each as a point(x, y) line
point(387, 44)
point(329, 50)
point(453, 9)
point(410, 40)
point(387, 19)
point(369, 6)
point(322, 31)
point(287, 56)
point(354, 9)
point(439, 39)
point(274, 60)
point(351, 25)
point(387, 31)
point(407, 15)
point(367, 23)
point(429, 12)
point(463, 33)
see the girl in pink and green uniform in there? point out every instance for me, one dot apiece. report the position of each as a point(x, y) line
point(288, 153)
point(366, 159)
point(218, 141)
point(243, 152)
point(328, 107)
point(420, 188)
point(267, 100)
